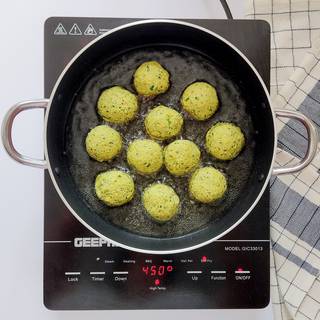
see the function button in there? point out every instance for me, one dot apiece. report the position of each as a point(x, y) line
point(218, 275)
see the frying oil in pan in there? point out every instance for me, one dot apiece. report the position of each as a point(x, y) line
point(185, 67)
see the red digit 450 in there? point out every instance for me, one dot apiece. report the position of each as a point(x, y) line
point(155, 270)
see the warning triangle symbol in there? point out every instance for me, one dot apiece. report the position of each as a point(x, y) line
point(90, 31)
point(60, 30)
point(75, 30)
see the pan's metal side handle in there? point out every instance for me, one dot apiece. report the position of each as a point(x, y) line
point(226, 9)
point(313, 140)
point(6, 132)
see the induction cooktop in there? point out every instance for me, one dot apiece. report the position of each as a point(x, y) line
point(82, 271)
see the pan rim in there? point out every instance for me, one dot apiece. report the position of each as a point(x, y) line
point(65, 70)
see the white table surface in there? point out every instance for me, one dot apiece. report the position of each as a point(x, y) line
point(21, 188)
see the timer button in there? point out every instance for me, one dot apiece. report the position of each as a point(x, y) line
point(97, 276)
point(95, 273)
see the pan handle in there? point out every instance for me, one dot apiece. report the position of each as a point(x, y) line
point(6, 132)
point(313, 140)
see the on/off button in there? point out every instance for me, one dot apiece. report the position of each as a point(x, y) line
point(241, 274)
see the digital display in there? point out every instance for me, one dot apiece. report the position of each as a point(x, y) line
point(157, 271)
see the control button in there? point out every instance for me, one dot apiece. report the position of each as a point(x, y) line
point(241, 274)
point(241, 271)
point(72, 273)
point(97, 273)
point(194, 272)
point(120, 276)
point(72, 276)
point(120, 272)
point(218, 275)
point(97, 276)
point(157, 282)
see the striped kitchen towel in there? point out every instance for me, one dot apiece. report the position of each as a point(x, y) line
point(295, 198)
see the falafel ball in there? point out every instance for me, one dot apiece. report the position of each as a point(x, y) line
point(161, 202)
point(103, 143)
point(224, 140)
point(181, 157)
point(145, 156)
point(114, 187)
point(207, 185)
point(117, 105)
point(151, 79)
point(200, 100)
point(163, 123)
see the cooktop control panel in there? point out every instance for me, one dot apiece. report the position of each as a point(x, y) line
point(89, 273)
point(82, 271)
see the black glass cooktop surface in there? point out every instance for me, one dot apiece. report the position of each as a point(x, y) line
point(82, 271)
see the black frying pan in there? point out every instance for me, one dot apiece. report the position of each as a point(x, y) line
point(190, 53)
